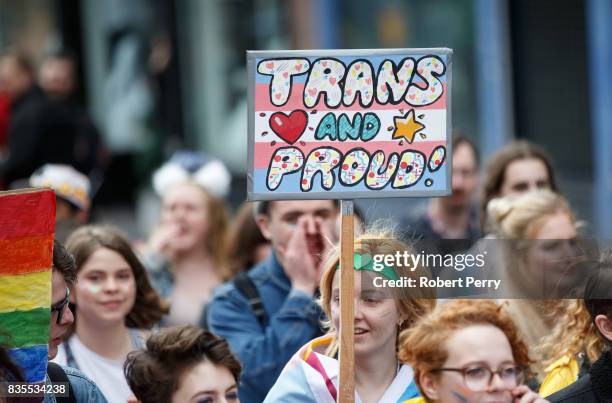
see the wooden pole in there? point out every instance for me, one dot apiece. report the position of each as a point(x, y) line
point(347, 302)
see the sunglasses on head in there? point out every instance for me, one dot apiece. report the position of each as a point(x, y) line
point(60, 307)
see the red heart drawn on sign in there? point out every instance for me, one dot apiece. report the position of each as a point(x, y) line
point(289, 128)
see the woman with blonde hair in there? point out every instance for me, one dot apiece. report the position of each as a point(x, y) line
point(470, 352)
point(115, 307)
point(185, 255)
point(570, 348)
point(540, 259)
point(380, 315)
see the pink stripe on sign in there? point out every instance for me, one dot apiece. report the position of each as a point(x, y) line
point(264, 151)
point(262, 102)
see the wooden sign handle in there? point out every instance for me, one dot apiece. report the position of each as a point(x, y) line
point(347, 302)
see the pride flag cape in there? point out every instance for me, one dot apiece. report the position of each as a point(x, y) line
point(27, 224)
point(310, 376)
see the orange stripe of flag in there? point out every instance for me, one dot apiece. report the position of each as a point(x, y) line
point(26, 255)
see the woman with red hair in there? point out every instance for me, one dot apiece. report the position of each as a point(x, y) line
point(468, 351)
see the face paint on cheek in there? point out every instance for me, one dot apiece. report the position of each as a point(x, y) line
point(126, 288)
point(459, 396)
point(92, 288)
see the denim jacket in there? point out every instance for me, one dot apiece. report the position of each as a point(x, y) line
point(85, 391)
point(158, 269)
point(292, 319)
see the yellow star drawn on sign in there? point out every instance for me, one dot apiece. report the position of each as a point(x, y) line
point(407, 126)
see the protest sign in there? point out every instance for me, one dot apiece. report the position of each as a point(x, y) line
point(347, 124)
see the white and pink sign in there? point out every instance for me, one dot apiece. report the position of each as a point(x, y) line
point(349, 124)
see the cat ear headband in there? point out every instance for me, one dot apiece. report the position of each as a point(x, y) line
point(191, 166)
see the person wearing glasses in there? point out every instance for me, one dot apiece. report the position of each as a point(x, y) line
point(468, 351)
point(115, 305)
point(81, 388)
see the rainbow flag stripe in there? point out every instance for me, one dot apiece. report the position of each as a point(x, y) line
point(27, 224)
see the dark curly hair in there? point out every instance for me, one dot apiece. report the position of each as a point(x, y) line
point(154, 373)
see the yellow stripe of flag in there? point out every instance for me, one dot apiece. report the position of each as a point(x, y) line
point(25, 291)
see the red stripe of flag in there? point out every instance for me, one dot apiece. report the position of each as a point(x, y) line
point(27, 213)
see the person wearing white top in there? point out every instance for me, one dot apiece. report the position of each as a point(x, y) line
point(106, 373)
point(115, 306)
point(312, 374)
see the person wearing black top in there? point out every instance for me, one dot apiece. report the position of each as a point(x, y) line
point(596, 386)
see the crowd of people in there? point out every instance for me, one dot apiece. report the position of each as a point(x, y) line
point(215, 309)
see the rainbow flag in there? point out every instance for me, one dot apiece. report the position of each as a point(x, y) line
point(27, 224)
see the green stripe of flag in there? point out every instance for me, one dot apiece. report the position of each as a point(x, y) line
point(26, 328)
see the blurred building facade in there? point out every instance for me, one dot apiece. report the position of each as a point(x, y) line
point(159, 75)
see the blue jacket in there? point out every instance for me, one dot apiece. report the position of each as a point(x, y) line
point(85, 391)
point(292, 319)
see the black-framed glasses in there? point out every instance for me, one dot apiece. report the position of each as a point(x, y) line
point(478, 378)
point(60, 307)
